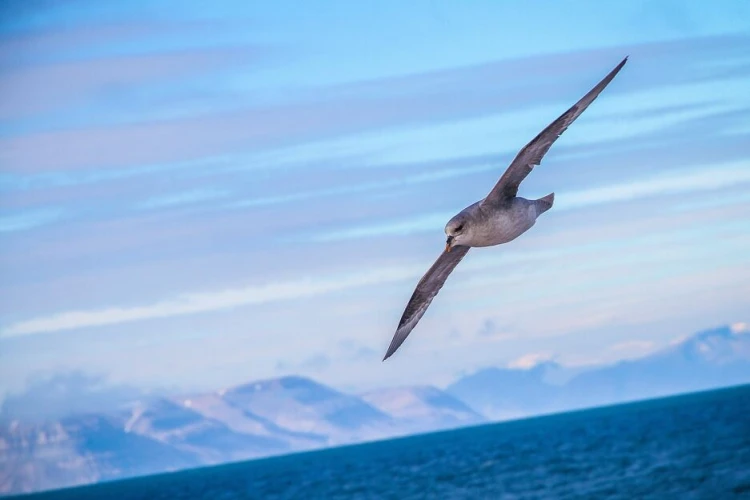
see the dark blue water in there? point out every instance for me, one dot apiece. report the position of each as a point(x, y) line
point(695, 446)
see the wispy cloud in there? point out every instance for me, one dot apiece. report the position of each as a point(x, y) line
point(489, 330)
point(327, 114)
point(634, 346)
point(183, 198)
point(26, 90)
point(531, 360)
point(29, 219)
point(17, 181)
point(403, 227)
point(739, 328)
point(209, 301)
point(138, 138)
point(669, 183)
point(365, 186)
point(61, 394)
point(729, 199)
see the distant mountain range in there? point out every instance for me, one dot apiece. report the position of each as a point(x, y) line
point(710, 359)
point(156, 434)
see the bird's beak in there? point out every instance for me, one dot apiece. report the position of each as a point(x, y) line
point(448, 243)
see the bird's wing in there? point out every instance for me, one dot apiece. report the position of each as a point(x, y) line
point(532, 154)
point(427, 288)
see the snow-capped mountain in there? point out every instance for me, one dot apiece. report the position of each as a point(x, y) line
point(307, 408)
point(709, 359)
point(145, 435)
point(423, 408)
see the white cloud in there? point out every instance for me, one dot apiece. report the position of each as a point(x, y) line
point(423, 223)
point(669, 183)
point(183, 198)
point(210, 301)
point(634, 346)
point(20, 221)
point(675, 182)
point(678, 340)
point(530, 360)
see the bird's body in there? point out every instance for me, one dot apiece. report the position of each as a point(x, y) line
point(499, 218)
point(490, 225)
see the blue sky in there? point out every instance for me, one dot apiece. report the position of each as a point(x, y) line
point(196, 195)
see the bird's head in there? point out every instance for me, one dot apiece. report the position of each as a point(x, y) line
point(457, 231)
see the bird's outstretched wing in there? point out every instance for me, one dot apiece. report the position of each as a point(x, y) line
point(427, 288)
point(532, 154)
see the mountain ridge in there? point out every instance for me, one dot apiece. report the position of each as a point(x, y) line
point(293, 413)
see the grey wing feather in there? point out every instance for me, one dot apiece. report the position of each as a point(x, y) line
point(426, 290)
point(532, 154)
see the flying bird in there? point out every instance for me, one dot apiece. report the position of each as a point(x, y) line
point(500, 217)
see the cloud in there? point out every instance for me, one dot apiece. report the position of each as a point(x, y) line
point(335, 111)
point(703, 179)
point(631, 346)
point(434, 175)
point(402, 227)
point(530, 360)
point(490, 330)
point(739, 328)
point(574, 164)
point(672, 182)
point(316, 362)
point(68, 393)
point(26, 90)
point(184, 198)
point(113, 36)
point(29, 219)
point(679, 340)
point(697, 204)
point(354, 351)
point(210, 301)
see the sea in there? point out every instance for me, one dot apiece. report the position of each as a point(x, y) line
point(683, 447)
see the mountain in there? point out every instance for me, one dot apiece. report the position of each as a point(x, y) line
point(215, 407)
point(79, 450)
point(710, 359)
point(162, 434)
point(502, 393)
point(137, 435)
point(186, 430)
point(302, 405)
point(423, 408)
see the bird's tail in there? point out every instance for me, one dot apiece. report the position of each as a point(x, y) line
point(544, 204)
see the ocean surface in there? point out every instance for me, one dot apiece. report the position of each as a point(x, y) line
point(694, 446)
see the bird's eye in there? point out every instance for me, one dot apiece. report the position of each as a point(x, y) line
point(459, 228)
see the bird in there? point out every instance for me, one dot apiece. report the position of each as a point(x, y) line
point(499, 218)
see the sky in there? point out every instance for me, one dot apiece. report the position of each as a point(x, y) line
point(195, 195)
